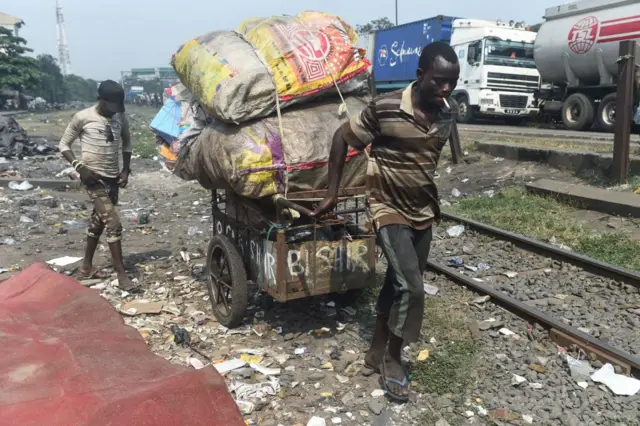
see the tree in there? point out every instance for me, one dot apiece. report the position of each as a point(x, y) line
point(52, 85)
point(80, 89)
point(17, 71)
point(375, 25)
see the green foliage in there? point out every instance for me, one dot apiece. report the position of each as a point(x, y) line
point(17, 71)
point(80, 89)
point(375, 25)
point(52, 87)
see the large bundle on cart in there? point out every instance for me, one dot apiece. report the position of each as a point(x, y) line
point(254, 161)
point(271, 63)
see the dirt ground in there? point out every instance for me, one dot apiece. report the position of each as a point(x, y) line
point(166, 255)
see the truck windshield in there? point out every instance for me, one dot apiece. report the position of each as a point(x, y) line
point(510, 53)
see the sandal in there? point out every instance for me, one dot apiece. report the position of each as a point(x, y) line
point(404, 383)
point(98, 274)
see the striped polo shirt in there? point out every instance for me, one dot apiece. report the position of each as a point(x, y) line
point(404, 154)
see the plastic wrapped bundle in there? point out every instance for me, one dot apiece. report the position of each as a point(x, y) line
point(269, 62)
point(252, 160)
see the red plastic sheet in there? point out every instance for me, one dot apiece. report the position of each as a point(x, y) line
point(67, 358)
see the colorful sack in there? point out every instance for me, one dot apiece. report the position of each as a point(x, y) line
point(252, 160)
point(243, 75)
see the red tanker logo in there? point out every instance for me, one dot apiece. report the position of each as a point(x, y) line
point(582, 36)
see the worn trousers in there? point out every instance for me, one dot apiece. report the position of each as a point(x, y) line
point(104, 196)
point(401, 298)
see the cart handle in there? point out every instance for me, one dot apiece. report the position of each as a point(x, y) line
point(279, 199)
point(290, 204)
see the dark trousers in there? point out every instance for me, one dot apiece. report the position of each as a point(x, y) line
point(402, 296)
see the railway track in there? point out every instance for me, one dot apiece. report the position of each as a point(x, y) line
point(579, 300)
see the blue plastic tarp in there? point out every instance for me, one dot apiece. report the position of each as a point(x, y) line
point(166, 122)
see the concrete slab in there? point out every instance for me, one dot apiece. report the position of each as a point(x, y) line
point(589, 197)
point(575, 160)
point(56, 184)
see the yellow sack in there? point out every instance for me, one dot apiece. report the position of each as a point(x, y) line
point(242, 75)
point(305, 53)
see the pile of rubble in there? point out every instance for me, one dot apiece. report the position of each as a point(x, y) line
point(14, 141)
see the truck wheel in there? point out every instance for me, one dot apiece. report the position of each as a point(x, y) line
point(606, 116)
point(465, 111)
point(578, 112)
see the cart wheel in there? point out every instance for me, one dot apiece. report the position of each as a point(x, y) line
point(347, 298)
point(227, 282)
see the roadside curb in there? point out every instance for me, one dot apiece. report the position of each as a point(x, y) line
point(598, 199)
point(575, 160)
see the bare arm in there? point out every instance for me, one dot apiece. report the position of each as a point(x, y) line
point(71, 133)
point(357, 133)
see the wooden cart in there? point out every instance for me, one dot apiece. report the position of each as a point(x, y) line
point(276, 245)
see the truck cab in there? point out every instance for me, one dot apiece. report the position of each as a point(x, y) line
point(498, 74)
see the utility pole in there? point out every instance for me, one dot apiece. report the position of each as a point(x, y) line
point(624, 110)
point(396, 13)
point(63, 48)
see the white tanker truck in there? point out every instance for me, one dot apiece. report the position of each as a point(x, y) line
point(576, 53)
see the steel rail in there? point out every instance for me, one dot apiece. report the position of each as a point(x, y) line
point(588, 343)
point(595, 266)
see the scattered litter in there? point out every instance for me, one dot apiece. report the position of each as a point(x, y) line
point(378, 393)
point(527, 419)
point(455, 192)
point(555, 243)
point(455, 231)
point(251, 359)
point(469, 414)
point(7, 242)
point(517, 380)
point(316, 421)
point(99, 287)
point(535, 385)
point(433, 341)
point(24, 186)
point(455, 262)
point(336, 420)
point(579, 368)
point(180, 336)
point(282, 358)
point(64, 261)
point(171, 308)
point(246, 407)
point(430, 290)
point(471, 268)
point(226, 366)
point(583, 385)
point(423, 355)
point(196, 363)
point(465, 180)
point(255, 391)
point(498, 159)
point(265, 371)
point(300, 351)
point(510, 274)
point(193, 231)
point(481, 410)
point(619, 384)
point(139, 307)
point(25, 219)
point(481, 300)
point(327, 366)
point(449, 170)
point(490, 193)
point(342, 379)
point(445, 203)
point(483, 267)
point(506, 332)
point(350, 310)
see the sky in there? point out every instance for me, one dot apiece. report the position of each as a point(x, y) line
point(106, 37)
